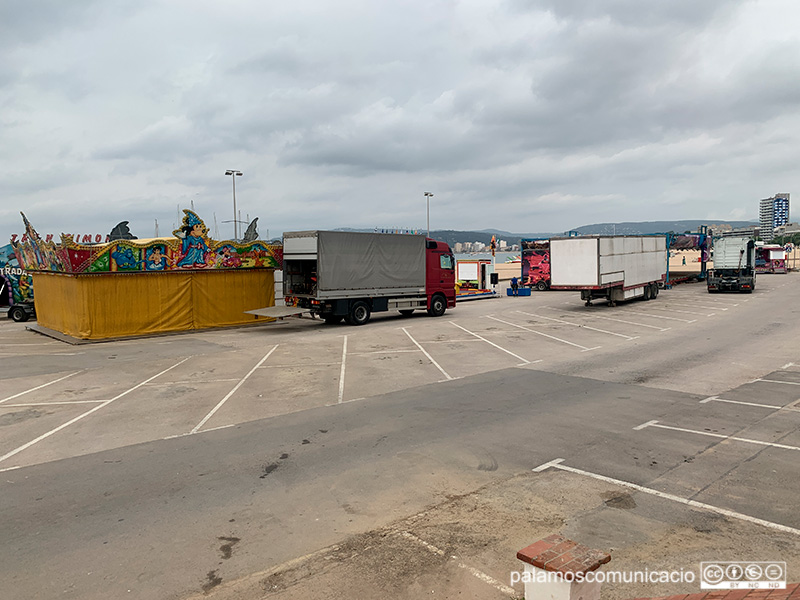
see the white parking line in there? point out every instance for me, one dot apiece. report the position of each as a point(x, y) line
point(430, 358)
point(524, 361)
point(776, 381)
point(556, 464)
point(51, 403)
point(233, 391)
point(87, 413)
point(552, 337)
point(383, 352)
point(696, 306)
point(501, 587)
point(627, 337)
point(652, 316)
point(773, 406)
point(341, 373)
point(716, 435)
point(620, 321)
point(38, 387)
point(190, 381)
point(680, 312)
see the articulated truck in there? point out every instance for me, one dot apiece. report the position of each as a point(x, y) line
point(347, 275)
point(612, 268)
point(734, 265)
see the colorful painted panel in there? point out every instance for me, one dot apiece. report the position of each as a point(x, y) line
point(16, 286)
point(535, 262)
point(189, 250)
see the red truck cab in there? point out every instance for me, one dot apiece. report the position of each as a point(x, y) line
point(440, 277)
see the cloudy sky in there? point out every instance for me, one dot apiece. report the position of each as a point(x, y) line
point(522, 115)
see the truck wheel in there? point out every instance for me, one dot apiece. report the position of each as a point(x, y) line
point(359, 313)
point(438, 306)
point(18, 314)
point(541, 286)
point(332, 319)
point(407, 312)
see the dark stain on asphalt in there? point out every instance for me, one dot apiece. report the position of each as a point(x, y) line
point(226, 550)
point(306, 442)
point(284, 456)
point(212, 581)
point(488, 463)
point(19, 416)
point(268, 469)
point(621, 500)
point(323, 431)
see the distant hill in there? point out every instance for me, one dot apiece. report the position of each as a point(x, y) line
point(451, 236)
point(648, 227)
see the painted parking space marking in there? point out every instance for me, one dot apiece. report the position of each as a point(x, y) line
point(670, 303)
point(680, 312)
point(88, 412)
point(387, 351)
point(38, 387)
point(233, 391)
point(430, 358)
point(557, 464)
point(552, 337)
point(190, 382)
point(715, 435)
point(627, 337)
point(488, 579)
point(481, 338)
point(776, 381)
point(653, 316)
point(342, 371)
point(619, 320)
point(756, 404)
point(54, 403)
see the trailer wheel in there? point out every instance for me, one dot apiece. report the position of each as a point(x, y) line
point(359, 313)
point(648, 292)
point(407, 312)
point(655, 290)
point(332, 319)
point(18, 314)
point(438, 306)
point(541, 286)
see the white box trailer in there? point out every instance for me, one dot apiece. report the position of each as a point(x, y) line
point(614, 268)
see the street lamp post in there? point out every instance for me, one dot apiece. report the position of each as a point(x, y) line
point(234, 174)
point(428, 196)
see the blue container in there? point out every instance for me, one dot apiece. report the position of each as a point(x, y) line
point(523, 291)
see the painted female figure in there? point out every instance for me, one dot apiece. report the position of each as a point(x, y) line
point(194, 247)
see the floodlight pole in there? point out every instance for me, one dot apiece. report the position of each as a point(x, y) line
point(234, 174)
point(428, 196)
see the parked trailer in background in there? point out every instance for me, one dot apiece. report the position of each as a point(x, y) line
point(734, 265)
point(535, 260)
point(613, 268)
point(770, 258)
point(346, 275)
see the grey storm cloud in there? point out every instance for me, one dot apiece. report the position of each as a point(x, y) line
point(548, 110)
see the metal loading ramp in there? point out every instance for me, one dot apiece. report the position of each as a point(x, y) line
point(278, 312)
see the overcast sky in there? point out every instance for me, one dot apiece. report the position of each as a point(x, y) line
point(522, 115)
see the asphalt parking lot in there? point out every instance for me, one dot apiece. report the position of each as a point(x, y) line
point(705, 416)
point(79, 399)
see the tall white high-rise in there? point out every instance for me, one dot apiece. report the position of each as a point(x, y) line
point(773, 212)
